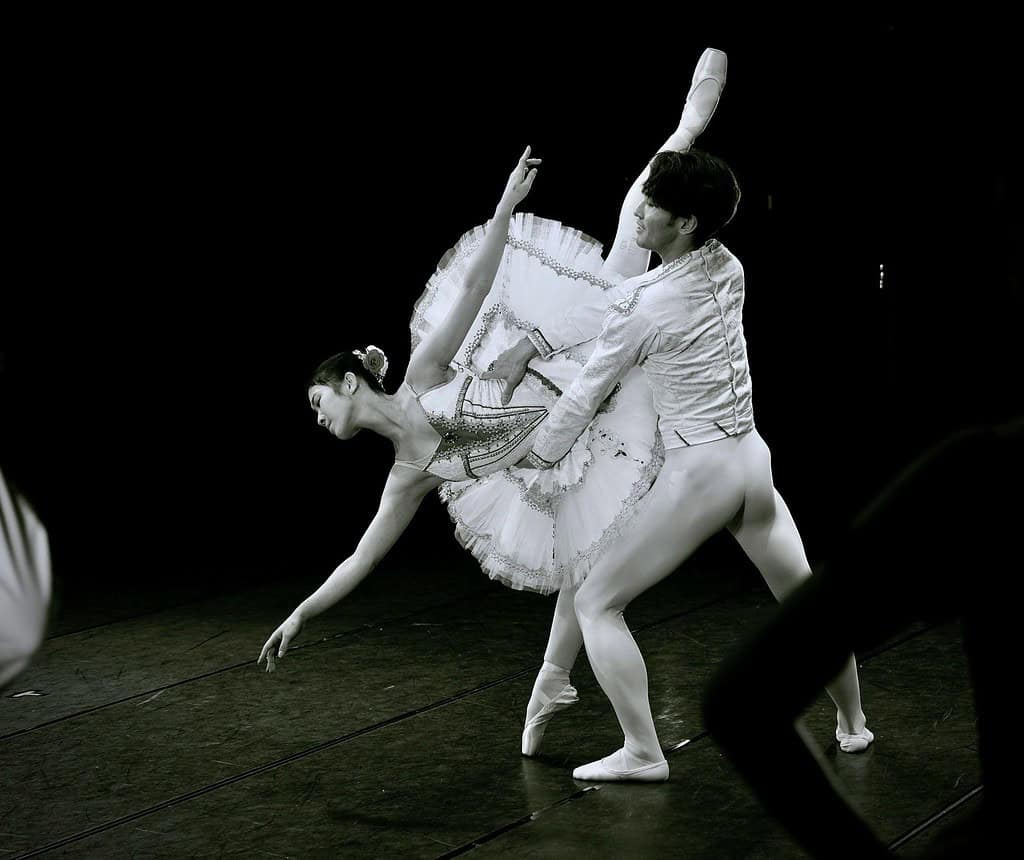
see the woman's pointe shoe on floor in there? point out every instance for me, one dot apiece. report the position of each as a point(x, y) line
point(616, 768)
point(856, 742)
point(533, 731)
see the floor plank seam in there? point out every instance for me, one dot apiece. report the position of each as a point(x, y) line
point(333, 637)
point(330, 744)
point(934, 819)
point(519, 822)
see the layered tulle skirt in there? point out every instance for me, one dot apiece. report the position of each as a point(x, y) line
point(537, 529)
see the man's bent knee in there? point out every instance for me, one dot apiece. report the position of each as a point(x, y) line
point(592, 602)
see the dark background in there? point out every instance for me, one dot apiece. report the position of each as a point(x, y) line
point(205, 212)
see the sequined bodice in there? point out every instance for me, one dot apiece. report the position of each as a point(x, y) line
point(478, 434)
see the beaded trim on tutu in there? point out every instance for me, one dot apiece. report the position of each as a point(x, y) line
point(533, 529)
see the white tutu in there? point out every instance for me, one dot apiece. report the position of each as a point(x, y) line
point(535, 529)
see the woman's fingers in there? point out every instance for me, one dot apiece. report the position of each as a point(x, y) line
point(269, 649)
point(286, 640)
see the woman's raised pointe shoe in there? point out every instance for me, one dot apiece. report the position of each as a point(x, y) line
point(705, 91)
point(854, 743)
point(533, 731)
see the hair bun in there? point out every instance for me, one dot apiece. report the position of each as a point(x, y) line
point(375, 361)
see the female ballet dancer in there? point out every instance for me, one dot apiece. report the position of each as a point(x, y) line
point(453, 431)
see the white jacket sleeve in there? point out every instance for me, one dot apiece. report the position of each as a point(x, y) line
point(624, 342)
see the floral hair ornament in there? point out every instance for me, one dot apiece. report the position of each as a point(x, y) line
point(374, 361)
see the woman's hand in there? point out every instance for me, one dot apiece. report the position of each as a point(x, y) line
point(280, 639)
point(519, 182)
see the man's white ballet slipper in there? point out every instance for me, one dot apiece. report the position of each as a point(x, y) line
point(605, 771)
point(854, 743)
point(533, 731)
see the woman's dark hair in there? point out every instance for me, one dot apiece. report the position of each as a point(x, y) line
point(694, 183)
point(332, 372)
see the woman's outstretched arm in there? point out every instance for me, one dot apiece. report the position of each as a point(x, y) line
point(404, 491)
point(438, 349)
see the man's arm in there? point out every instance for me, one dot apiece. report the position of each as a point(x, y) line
point(624, 342)
point(578, 325)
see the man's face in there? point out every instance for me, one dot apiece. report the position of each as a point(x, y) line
point(656, 228)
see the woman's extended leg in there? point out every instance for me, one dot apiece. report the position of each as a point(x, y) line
point(626, 259)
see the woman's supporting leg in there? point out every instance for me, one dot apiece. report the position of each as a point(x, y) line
point(552, 691)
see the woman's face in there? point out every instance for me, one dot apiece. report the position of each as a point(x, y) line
point(333, 410)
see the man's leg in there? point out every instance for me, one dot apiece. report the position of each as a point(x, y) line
point(752, 705)
point(683, 508)
point(768, 535)
point(926, 542)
